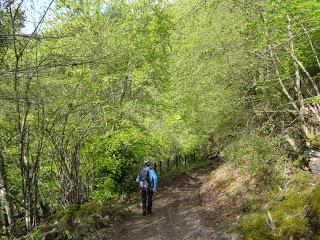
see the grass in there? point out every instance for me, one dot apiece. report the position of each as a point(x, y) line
point(223, 183)
point(290, 214)
point(80, 221)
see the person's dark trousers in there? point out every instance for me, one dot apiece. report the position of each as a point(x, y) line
point(146, 197)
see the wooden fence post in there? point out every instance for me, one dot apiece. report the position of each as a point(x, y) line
point(155, 166)
point(160, 167)
point(177, 165)
point(185, 159)
point(168, 164)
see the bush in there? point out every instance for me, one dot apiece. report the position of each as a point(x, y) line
point(117, 158)
point(260, 154)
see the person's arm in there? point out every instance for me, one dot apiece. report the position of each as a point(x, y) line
point(155, 180)
point(138, 179)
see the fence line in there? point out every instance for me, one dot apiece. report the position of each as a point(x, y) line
point(161, 167)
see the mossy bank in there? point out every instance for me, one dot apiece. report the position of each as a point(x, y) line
point(249, 209)
point(86, 221)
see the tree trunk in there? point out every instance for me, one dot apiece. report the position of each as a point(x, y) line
point(297, 76)
point(6, 206)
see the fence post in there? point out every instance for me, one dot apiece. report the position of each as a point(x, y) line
point(155, 166)
point(185, 159)
point(160, 167)
point(177, 165)
point(168, 164)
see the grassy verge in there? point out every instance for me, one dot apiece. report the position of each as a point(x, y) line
point(83, 221)
point(249, 209)
point(289, 212)
point(272, 198)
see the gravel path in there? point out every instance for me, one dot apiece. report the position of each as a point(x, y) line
point(178, 213)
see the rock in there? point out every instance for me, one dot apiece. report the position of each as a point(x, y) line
point(314, 161)
point(314, 153)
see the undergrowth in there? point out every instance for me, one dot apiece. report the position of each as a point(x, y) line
point(291, 207)
point(79, 221)
point(261, 155)
point(289, 213)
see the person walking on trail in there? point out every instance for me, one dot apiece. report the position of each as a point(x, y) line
point(148, 184)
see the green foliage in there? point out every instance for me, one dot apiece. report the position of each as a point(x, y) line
point(206, 83)
point(173, 173)
point(107, 84)
point(117, 158)
point(80, 221)
point(313, 139)
point(301, 161)
point(313, 100)
point(260, 154)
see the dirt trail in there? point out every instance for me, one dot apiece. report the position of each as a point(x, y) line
point(178, 213)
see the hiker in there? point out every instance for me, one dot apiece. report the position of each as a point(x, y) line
point(148, 184)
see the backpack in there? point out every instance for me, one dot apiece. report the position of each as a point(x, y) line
point(144, 179)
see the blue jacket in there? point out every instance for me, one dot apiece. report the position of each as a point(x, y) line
point(152, 177)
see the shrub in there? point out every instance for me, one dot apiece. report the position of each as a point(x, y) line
point(260, 154)
point(116, 157)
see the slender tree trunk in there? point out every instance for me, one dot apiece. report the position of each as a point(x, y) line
point(275, 65)
point(5, 199)
point(297, 75)
point(309, 115)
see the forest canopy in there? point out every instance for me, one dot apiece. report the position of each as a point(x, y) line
point(99, 86)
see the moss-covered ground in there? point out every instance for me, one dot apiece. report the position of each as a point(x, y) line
point(289, 209)
point(80, 221)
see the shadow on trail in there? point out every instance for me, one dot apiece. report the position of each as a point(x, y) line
point(178, 213)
